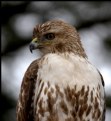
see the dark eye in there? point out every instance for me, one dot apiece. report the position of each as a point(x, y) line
point(50, 36)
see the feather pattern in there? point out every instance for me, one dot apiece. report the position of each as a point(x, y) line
point(64, 93)
point(25, 102)
point(62, 85)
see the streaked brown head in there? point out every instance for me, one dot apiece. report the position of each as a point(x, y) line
point(56, 36)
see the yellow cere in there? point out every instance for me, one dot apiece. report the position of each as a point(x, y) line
point(35, 39)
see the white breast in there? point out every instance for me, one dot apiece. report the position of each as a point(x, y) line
point(67, 70)
point(71, 70)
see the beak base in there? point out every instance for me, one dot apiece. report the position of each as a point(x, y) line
point(33, 45)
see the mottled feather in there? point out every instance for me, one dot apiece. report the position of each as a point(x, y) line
point(24, 108)
point(62, 85)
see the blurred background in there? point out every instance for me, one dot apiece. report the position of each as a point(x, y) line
point(92, 20)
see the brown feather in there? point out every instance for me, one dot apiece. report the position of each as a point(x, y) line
point(25, 111)
point(67, 38)
point(66, 41)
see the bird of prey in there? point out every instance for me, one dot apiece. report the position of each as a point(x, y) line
point(62, 85)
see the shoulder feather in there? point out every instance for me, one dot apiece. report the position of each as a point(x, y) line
point(24, 109)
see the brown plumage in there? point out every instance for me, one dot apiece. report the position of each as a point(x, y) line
point(62, 85)
point(67, 39)
point(24, 108)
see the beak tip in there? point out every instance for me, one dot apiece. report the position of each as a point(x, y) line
point(31, 47)
point(31, 51)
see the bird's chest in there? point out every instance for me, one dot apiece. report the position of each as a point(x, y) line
point(61, 93)
point(66, 71)
point(55, 71)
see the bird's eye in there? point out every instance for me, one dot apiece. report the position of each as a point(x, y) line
point(50, 36)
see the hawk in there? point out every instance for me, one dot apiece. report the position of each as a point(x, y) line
point(62, 85)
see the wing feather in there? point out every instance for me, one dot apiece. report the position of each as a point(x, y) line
point(104, 110)
point(24, 109)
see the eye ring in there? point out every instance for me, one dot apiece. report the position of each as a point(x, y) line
point(50, 36)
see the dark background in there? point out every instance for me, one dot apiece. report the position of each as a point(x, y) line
point(92, 20)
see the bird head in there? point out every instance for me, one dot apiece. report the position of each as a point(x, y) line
point(56, 36)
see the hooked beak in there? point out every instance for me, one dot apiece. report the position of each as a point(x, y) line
point(33, 45)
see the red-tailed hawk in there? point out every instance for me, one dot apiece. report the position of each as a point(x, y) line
point(62, 85)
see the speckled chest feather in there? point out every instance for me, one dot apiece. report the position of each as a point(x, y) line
point(68, 88)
